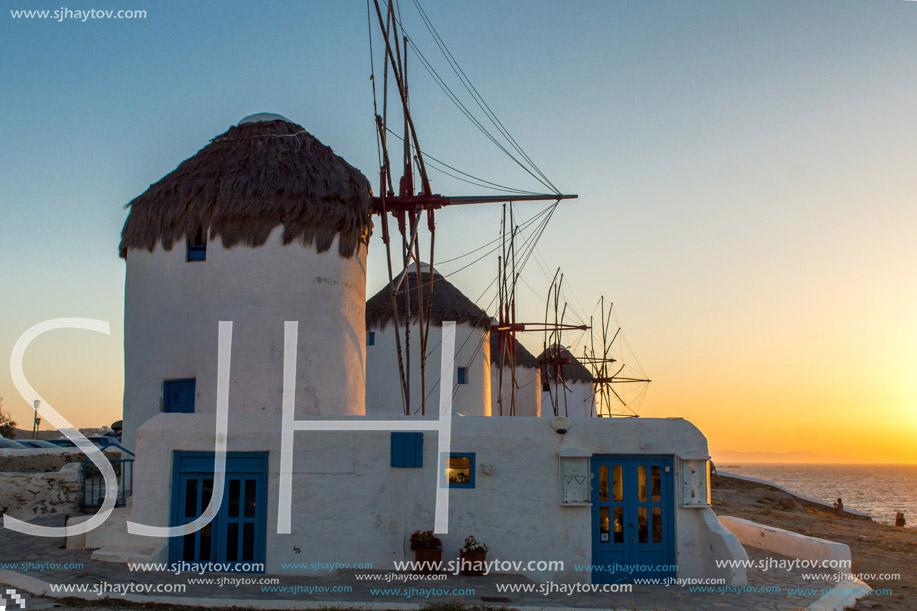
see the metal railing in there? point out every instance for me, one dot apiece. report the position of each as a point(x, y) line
point(94, 486)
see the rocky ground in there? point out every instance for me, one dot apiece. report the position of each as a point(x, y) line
point(876, 548)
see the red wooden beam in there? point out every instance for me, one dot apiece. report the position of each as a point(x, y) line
point(538, 326)
point(413, 203)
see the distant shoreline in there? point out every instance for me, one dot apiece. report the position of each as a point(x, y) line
point(887, 553)
point(803, 500)
point(749, 463)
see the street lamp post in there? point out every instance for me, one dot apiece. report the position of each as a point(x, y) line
point(36, 421)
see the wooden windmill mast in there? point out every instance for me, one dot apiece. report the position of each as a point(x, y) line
point(407, 207)
point(602, 365)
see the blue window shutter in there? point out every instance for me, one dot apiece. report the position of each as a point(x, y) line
point(371, 338)
point(407, 450)
point(197, 253)
point(418, 449)
point(178, 396)
point(197, 246)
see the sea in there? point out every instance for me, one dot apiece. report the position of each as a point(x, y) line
point(878, 490)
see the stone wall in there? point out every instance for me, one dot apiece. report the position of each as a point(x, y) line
point(29, 495)
point(43, 481)
point(43, 460)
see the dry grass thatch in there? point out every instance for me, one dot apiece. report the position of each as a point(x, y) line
point(572, 371)
point(448, 303)
point(524, 358)
point(248, 181)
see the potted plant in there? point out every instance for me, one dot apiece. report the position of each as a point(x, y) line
point(428, 551)
point(472, 557)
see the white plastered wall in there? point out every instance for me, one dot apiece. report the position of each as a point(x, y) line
point(172, 309)
point(580, 400)
point(472, 350)
point(528, 390)
point(350, 505)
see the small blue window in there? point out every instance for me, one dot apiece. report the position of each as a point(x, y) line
point(178, 396)
point(460, 470)
point(197, 246)
point(407, 450)
point(462, 375)
point(371, 338)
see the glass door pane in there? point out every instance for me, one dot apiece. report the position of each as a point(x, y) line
point(618, 473)
point(603, 484)
point(604, 525)
point(641, 483)
point(195, 495)
point(619, 524)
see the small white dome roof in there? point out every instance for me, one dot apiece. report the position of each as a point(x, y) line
point(263, 117)
point(426, 268)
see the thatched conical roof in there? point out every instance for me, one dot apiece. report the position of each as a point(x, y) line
point(574, 370)
point(524, 358)
point(262, 173)
point(449, 303)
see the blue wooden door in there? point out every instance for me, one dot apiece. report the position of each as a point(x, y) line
point(632, 518)
point(194, 490)
point(242, 529)
point(236, 537)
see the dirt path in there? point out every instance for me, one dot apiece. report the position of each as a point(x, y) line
point(876, 548)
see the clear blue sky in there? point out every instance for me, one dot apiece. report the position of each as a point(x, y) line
point(745, 171)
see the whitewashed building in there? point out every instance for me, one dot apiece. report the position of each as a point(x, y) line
point(471, 373)
point(519, 369)
point(568, 387)
point(236, 233)
point(267, 228)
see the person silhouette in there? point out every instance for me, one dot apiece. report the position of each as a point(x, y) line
point(899, 519)
point(839, 506)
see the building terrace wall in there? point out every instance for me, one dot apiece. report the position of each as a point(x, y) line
point(349, 505)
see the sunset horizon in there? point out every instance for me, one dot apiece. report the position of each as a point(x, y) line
point(746, 201)
point(458, 306)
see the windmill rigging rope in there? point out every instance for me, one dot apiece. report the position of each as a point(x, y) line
point(484, 256)
point(529, 244)
point(525, 223)
point(475, 94)
point(468, 114)
point(471, 176)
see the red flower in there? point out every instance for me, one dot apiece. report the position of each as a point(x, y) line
point(425, 540)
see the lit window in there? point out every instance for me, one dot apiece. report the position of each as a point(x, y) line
point(460, 470)
point(371, 338)
point(197, 246)
point(462, 375)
